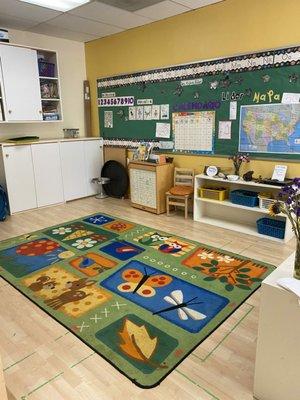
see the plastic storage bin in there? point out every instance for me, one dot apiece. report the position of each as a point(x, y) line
point(219, 194)
point(271, 227)
point(46, 69)
point(244, 198)
point(265, 201)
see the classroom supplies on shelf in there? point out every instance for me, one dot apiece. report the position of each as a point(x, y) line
point(213, 193)
point(49, 90)
point(46, 68)
point(244, 198)
point(228, 215)
point(265, 200)
point(271, 227)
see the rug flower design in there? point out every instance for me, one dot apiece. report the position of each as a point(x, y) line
point(61, 230)
point(230, 271)
point(84, 243)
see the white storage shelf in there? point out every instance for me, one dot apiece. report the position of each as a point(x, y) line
point(21, 85)
point(225, 214)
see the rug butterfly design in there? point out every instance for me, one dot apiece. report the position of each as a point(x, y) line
point(143, 284)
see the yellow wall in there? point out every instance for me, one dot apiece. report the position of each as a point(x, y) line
point(223, 29)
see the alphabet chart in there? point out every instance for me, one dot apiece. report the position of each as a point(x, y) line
point(194, 131)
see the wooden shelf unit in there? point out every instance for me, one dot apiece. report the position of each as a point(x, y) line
point(225, 214)
point(148, 185)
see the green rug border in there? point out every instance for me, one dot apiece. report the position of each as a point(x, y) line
point(98, 353)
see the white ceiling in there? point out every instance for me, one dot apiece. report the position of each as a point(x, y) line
point(93, 20)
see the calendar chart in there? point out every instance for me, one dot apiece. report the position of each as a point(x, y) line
point(194, 131)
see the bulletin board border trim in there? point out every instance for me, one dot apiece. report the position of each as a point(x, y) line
point(279, 57)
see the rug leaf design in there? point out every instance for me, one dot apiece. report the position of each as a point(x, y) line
point(137, 342)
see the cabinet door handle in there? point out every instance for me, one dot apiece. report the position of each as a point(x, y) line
point(40, 111)
point(9, 111)
point(6, 155)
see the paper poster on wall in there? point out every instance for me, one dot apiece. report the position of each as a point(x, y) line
point(189, 82)
point(108, 94)
point(232, 110)
point(164, 111)
point(224, 130)
point(108, 119)
point(194, 131)
point(147, 113)
point(163, 130)
point(143, 102)
point(270, 128)
point(290, 98)
point(120, 101)
point(139, 113)
point(166, 145)
point(155, 112)
point(132, 113)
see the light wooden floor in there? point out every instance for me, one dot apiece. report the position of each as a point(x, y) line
point(43, 361)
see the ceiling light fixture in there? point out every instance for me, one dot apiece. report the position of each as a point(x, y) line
point(58, 5)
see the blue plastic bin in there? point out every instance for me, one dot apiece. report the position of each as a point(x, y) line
point(244, 198)
point(271, 227)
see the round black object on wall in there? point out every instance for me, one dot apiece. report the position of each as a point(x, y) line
point(119, 181)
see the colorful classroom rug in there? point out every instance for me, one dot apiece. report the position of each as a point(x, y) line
point(143, 299)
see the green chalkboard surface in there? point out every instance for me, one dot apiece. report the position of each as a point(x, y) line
point(266, 83)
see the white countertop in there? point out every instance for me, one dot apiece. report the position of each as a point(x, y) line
point(285, 270)
point(40, 141)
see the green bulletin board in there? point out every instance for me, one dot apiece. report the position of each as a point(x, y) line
point(260, 80)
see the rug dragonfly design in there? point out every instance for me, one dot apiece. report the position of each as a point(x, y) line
point(182, 306)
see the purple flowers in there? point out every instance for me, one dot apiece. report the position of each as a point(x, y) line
point(237, 160)
point(290, 204)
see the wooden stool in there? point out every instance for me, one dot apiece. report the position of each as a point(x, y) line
point(182, 192)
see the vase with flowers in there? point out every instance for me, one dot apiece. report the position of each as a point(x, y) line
point(238, 159)
point(289, 204)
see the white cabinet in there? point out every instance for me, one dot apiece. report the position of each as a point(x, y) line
point(42, 174)
point(47, 174)
point(81, 162)
point(20, 83)
point(93, 163)
point(19, 175)
point(73, 170)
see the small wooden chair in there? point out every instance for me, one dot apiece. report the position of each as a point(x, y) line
point(182, 191)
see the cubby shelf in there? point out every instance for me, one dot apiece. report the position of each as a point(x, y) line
point(228, 215)
point(48, 78)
